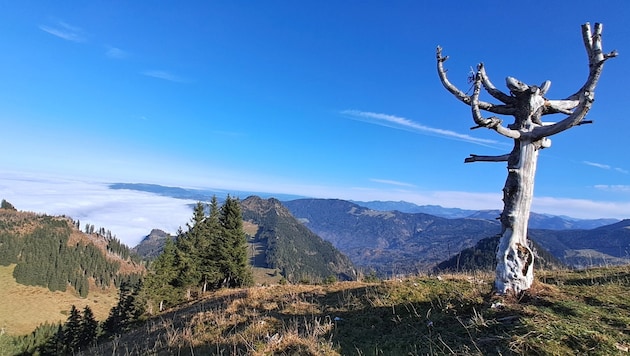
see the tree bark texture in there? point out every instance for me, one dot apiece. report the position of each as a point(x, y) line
point(527, 104)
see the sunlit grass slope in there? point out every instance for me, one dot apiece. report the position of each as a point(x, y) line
point(22, 308)
point(566, 312)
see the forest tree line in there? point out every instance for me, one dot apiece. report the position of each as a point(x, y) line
point(44, 258)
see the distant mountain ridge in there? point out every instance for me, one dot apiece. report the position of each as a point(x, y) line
point(389, 242)
point(195, 194)
point(392, 241)
point(605, 245)
point(395, 242)
point(550, 222)
point(407, 207)
point(537, 221)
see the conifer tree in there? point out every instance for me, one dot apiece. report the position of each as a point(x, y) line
point(126, 312)
point(53, 345)
point(233, 252)
point(159, 283)
point(206, 252)
point(72, 331)
point(186, 256)
point(89, 327)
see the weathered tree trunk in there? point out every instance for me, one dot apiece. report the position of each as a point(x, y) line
point(527, 104)
point(515, 259)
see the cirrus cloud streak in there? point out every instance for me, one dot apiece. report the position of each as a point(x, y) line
point(402, 123)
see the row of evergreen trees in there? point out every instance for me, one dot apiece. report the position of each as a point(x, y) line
point(210, 254)
point(114, 245)
point(43, 258)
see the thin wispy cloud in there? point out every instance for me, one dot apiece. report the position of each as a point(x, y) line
point(392, 182)
point(620, 188)
point(597, 165)
point(402, 123)
point(164, 75)
point(115, 53)
point(605, 166)
point(65, 31)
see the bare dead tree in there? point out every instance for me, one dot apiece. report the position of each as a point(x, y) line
point(527, 104)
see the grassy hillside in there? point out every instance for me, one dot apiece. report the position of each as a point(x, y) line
point(25, 307)
point(55, 257)
point(565, 312)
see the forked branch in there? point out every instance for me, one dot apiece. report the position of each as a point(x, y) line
point(585, 96)
point(493, 122)
point(463, 97)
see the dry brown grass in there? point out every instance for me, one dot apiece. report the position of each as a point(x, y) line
point(565, 312)
point(25, 307)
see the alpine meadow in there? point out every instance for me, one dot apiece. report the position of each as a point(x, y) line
point(295, 178)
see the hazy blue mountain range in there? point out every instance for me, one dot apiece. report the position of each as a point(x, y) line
point(406, 207)
point(551, 222)
point(605, 245)
point(395, 242)
point(389, 242)
point(537, 221)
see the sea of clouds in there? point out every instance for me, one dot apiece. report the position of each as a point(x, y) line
point(130, 215)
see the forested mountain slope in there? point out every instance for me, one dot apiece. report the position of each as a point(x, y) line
point(48, 264)
point(50, 251)
point(290, 247)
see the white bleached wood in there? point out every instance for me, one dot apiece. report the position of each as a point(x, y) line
point(527, 104)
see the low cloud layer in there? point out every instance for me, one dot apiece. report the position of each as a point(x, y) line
point(130, 215)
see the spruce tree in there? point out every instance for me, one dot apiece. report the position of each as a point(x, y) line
point(54, 344)
point(206, 252)
point(89, 327)
point(126, 311)
point(160, 281)
point(233, 253)
point(72, 331)
point(186, 256)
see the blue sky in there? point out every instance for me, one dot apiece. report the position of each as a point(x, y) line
point(330, 99)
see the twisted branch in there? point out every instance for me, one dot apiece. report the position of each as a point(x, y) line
point(493, 122)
